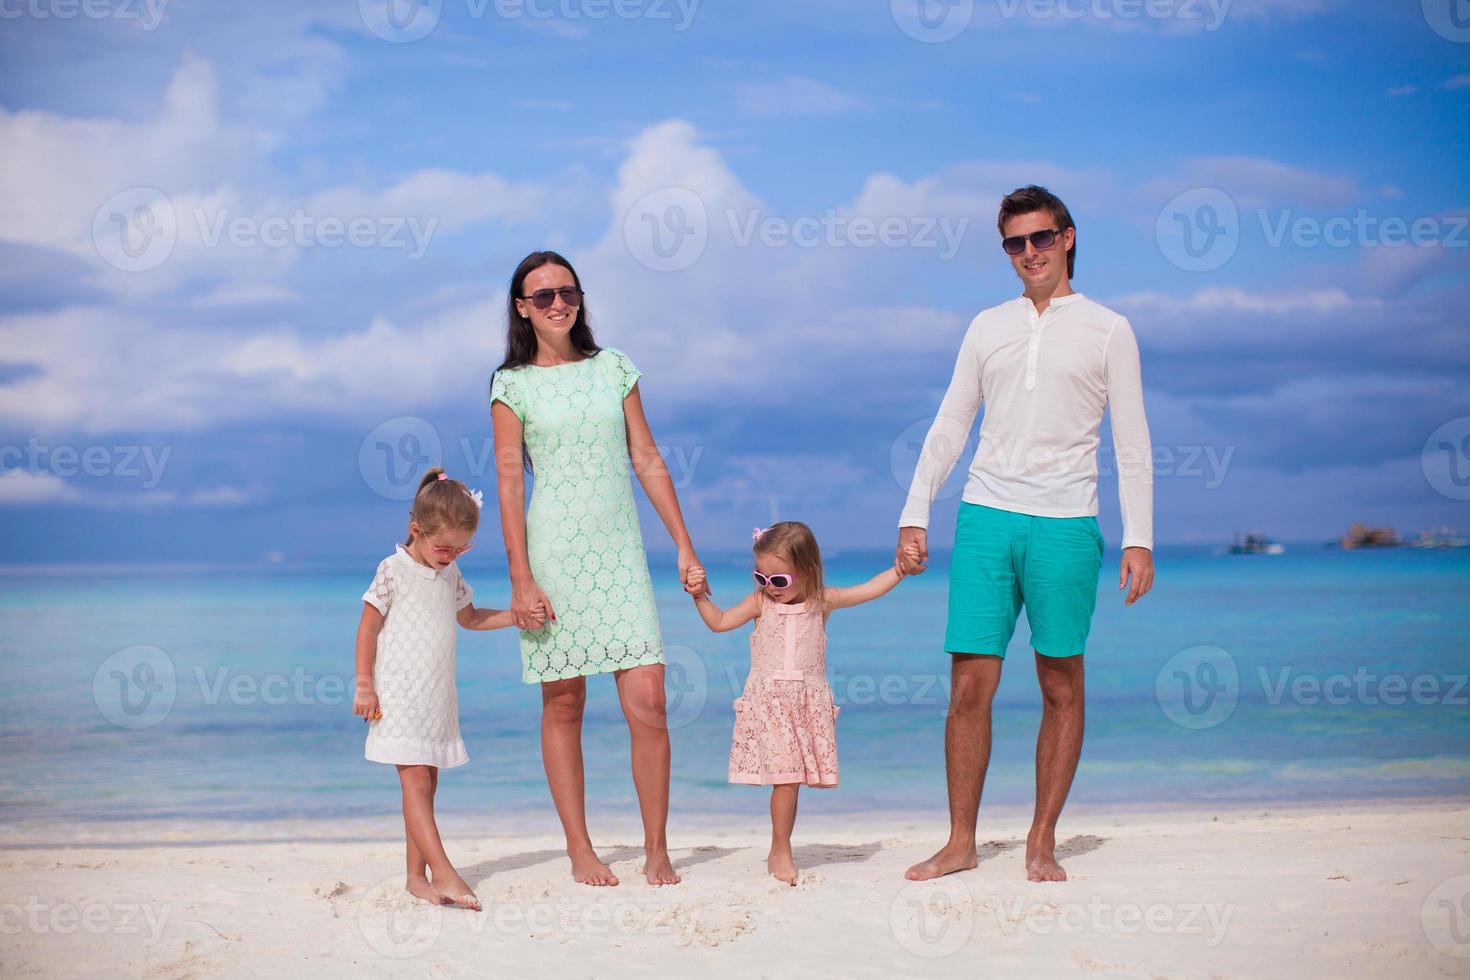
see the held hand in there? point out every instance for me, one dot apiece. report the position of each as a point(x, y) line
point(688, 563)
point(530, 607)
point(698, 581)
point(912, 554)
point(365, 704)
point(1136, 573)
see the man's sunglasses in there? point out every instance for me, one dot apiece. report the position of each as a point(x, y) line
point(781, 581)
point(1043, 240)
point(543, 298)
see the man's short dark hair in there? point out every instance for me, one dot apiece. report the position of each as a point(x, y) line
point(1031, 198)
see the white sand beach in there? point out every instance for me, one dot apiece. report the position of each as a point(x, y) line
point(1349, 890)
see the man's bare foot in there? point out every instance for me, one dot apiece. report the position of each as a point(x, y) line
point(588, 870)
point(948, 860)
point(419, 887)
point(781, 867)
point(456, 891)
point(658, 869)
point(1041, 861)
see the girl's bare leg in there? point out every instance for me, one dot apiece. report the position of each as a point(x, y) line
point(783, 820)
point(641, 692)
point(419, 783)
point(418, 869)
point(562, 703)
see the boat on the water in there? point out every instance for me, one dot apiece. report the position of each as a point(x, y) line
point(1442, 537)
point(1255, 543)
point(1360, 535)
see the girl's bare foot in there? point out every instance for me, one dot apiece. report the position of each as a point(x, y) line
point(949, 860)
point(658, 869)
point(419, 887)
point(781, 867)
point(456, 891)
point(588, 870)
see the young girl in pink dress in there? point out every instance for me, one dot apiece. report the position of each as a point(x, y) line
point(785, 732)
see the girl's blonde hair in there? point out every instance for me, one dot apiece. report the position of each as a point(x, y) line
point(794, 541)
point(442, 503)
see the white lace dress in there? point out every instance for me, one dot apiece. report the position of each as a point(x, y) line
point(414, 670)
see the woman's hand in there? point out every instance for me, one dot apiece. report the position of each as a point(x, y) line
point(688, 563)
point(530, 607)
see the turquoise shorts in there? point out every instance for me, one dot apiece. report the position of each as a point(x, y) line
point(1003, 561)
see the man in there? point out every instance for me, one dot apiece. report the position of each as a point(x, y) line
point(1046, 365)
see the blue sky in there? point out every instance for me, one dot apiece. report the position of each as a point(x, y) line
point(225, 386)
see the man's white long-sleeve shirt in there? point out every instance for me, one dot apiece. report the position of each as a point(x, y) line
point(1045, 381)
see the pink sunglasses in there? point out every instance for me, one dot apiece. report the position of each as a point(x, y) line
point(780, 581)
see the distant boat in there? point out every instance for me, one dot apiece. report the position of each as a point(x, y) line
point(1255, 543)
point(1443, 537)
point(1361, 535)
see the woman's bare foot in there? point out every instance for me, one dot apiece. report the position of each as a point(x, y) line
point(588, 870)
point(456, 891)
point(780, 866)
point(1041, 861)
point(948, 860)
point(419, 887)
point(658, 869)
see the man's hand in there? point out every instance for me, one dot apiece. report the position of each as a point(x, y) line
point(1136, 573)
point(912, 554)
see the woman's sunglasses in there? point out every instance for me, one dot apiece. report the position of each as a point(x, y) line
point(543, 298)
point(781, 581)
point(1043, 240)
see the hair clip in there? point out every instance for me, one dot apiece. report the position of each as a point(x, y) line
point(443, 475)
point(477, 497)
point(756, 532)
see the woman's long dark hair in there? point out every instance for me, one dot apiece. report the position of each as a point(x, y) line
point(520, 336)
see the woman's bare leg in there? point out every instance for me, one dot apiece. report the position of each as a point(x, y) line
point(419, 784)
point(783, 820)
point(641, 692)
point(562, 704)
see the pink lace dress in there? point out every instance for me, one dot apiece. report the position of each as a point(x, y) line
point(785, 720)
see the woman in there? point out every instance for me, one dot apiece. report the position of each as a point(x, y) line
point(572, 413)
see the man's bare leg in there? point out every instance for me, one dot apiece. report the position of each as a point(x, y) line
point(966, 757)
point(1058, 747)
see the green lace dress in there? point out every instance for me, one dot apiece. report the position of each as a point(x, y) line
point(582, 533)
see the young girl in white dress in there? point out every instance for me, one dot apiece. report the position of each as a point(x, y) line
point(405, 670)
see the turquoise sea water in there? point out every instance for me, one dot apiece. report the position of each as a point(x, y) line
point(157, 693)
